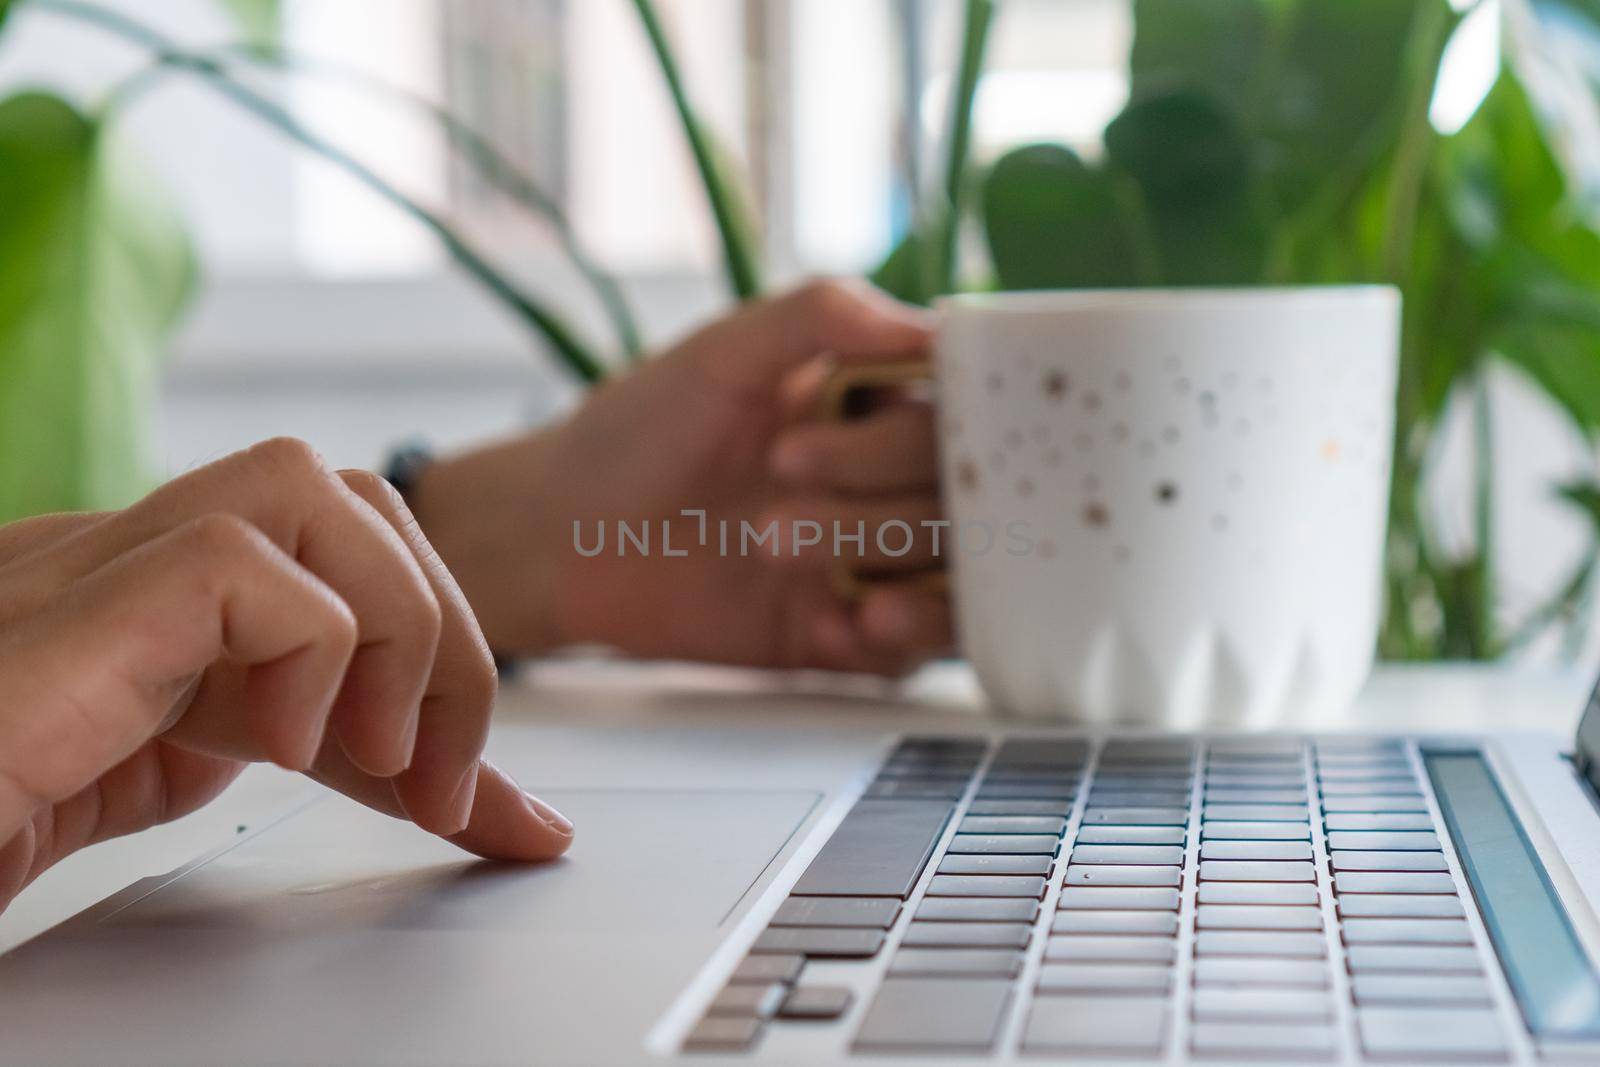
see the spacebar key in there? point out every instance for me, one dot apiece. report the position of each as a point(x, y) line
point(879, 850)
point(935, 1015)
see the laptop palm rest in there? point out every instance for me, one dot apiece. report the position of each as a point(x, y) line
point(339, 935)
point(337, 864)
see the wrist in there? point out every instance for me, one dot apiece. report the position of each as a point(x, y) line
point(485, 514)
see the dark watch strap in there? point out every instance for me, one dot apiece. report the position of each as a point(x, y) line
point(405, 466)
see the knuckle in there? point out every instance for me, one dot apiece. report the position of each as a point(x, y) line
point(430, 614)
point(375, 490)
point(342, 627)
point(289, 457)
point(826, 298)
point(480, 682)
point(219, 534)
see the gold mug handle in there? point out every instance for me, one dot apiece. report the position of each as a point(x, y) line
point(847, 393)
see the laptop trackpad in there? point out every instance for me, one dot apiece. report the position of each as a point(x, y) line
point(653, 859)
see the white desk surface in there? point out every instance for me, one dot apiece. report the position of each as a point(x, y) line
point(623, 696)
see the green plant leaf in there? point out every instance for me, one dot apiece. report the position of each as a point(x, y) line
point(1194, 168)
point(1585, 496)
point(905, 273)
point(95, 268)
point(259, 21)
point(1527, 234)
point(739, 256)
point(5, 9)
point(1313, 83)
point(1054, 223)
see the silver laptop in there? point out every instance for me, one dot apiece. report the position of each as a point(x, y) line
point(791, 893)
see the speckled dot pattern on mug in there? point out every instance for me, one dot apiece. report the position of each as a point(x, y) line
point(1209, 471)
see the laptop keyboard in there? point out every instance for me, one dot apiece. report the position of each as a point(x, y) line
point(1149, 898)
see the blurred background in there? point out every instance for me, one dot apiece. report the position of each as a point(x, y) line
point(329, 314)
point(325, 312)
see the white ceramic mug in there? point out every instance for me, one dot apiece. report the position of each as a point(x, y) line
point(1186, 494)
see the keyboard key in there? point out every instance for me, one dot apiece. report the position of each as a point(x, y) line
point(1118, 898)
point(1136, 816)
point(1245, 971)
point(1387, 861)
point(1255, 831)
point(1062, 782)
point(1096, 874)
point(898, 769)
point(1255, 796)
point(878, 850)
point(981, 885)
point(1368, 820)
point(1413, 959)
point(977, 962)
point(1276, 893)
point(1386, 802)
point(967, 935)
point(1055, 750)
point(915, 789)
point(877, 913)
point(1222, 1004)
point(1119, 798)
point(1255, 850)
point(1257, 777)
point(1259, 943)
point(1147, 750)
point(1001, 789)
point(1278, 1041)
point(1013, 824)
point(823, 941)
point(978, 909)
point(1248, 917)
point(1004, 844)
point(1020, 807)
point(1431, 1032)
point(1104, 978)
point(760, 970)
point(1266, 871)
point(1115, 1025)
point(1147, 782)
point(1391, 989)
point(1154, 923)
point(1383, 840)
point(749, 1001)
point(1406, 931)
point(935, 1015)
point(1365, 787)
point(1130, 835)
point(1039, 865)
point(722, 1034)
point(816, 1002)
point(1114, 949)
point(1357, 744)
point(1400, 906)
point(1257, 813)
point(1227, 765)
point(1158, 855)
point(1391, 758)
point(1393, 882)
point(1257, 747)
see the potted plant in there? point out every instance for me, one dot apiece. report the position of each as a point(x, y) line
point(1288, 142)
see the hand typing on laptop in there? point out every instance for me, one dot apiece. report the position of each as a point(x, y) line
point(264, 608)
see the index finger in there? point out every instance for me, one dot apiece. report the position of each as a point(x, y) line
point(758, 345)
